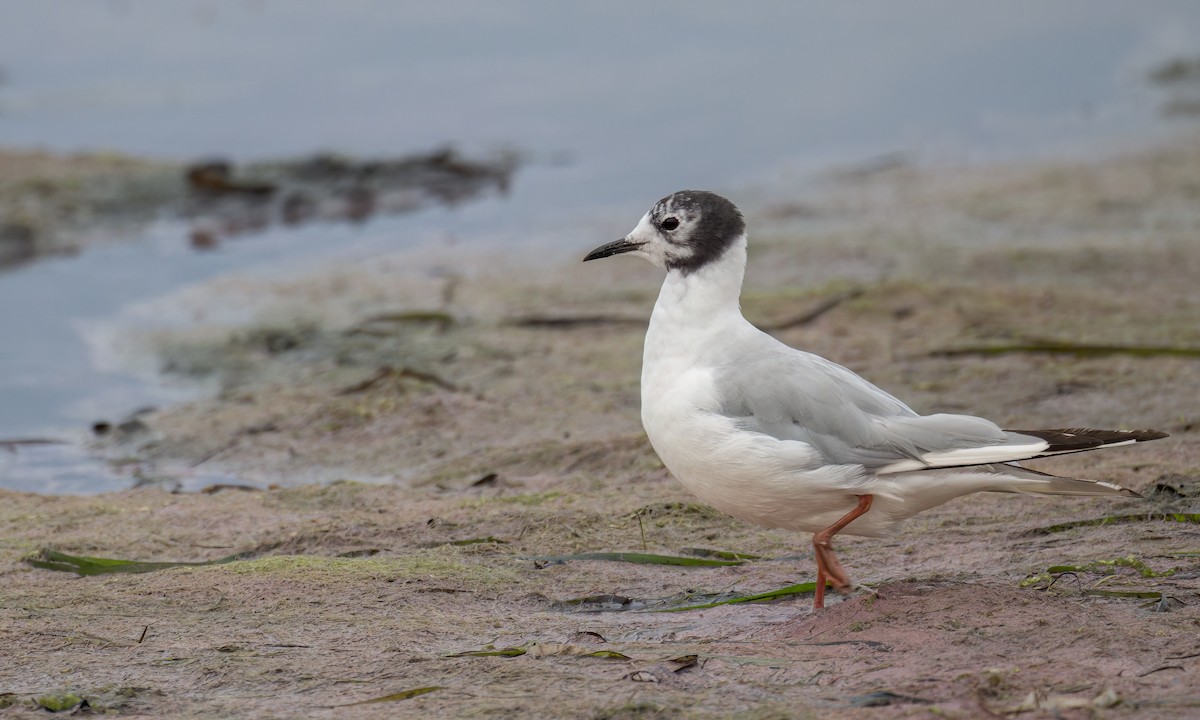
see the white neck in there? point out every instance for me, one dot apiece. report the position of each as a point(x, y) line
point(691, 306)
point(715, 287)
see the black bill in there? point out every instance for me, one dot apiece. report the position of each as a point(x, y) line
point(613, 248)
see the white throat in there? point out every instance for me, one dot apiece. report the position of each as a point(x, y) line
point(695, 306)
point(714, 288)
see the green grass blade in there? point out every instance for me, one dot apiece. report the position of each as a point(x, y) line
point(1116, 520)
point(785, 592)
point(492, 652)
point(641, 558)
point(85, 565)
point(402, 695)
point(720, 554)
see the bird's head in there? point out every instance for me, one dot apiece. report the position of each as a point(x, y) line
point(684, 231)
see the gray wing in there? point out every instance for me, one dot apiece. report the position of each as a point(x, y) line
point(792, 395)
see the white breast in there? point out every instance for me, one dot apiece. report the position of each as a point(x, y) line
point(749, 475)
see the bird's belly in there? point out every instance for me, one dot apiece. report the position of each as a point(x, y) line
point(749, 475)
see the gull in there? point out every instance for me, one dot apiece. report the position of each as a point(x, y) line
point(784, 438)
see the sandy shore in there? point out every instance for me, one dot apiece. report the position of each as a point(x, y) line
point(439, 433)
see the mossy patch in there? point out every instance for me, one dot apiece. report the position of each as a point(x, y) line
point(337, 494)
point(60, 702)
point(314, 568)
point(1097, 567)
point(531, 499)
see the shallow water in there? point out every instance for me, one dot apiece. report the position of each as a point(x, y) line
point(614, 105)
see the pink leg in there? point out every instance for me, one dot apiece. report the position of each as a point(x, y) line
point(828, 567)
point(819, 596)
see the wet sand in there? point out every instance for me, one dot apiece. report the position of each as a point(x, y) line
point(434, 434)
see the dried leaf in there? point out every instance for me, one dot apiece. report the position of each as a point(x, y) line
point(544, 650)
point(492, 652)
point(589, 636)
point(564, 649)
point(640, 558)
point(402, 695)
point(683, 662)
point(607, 654)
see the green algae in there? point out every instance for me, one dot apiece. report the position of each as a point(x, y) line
point(1116, 520)
point(85, 565)
point(60, 702)
point(1106, 567)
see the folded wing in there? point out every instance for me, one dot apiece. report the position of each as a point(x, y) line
point(793, 395)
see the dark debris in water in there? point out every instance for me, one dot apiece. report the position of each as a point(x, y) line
point(1177, 70)
point(225, 199)
point(65, 201)
point(1180, 79)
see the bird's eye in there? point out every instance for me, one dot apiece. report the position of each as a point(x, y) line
point(670, 223)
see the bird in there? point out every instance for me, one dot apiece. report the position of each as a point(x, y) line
point(784, 438)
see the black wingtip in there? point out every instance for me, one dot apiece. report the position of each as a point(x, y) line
point(1107, 437)
point(1148, 435)
point(1076, 439)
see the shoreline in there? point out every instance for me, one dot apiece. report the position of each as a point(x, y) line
point(496, 418)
